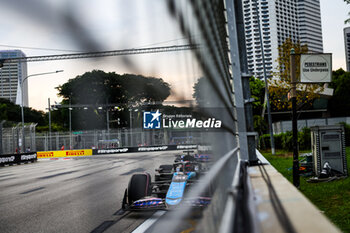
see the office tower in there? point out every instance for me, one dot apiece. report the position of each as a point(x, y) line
point(310, 28)
point(347, 47)
point(11, 76)
point(278, 21)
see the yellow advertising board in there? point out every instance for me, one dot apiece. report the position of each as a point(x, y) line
point(63, 153)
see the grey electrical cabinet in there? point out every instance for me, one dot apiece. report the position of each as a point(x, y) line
point(328, 145)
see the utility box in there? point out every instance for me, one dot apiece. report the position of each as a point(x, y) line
point(328, 145)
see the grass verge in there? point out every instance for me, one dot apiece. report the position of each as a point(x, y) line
point(333, 198)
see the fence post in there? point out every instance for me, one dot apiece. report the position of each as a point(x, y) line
point(1, 150)
point(120, 138)
point(14, 143)
point(57, 136)
point(45, 142)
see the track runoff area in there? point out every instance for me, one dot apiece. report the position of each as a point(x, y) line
point(77, 194)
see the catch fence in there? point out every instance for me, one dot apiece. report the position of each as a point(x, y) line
point(17, 139)
point(96, 139)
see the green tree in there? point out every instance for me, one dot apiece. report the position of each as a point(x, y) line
point(200, 91)
point(339, 104)
point(98, 88)
point(280, 84)
point(257, 90)
point(202, 87)
point(11, 113)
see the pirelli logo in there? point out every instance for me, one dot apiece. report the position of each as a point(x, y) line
point(48, 154)
point(75, 153)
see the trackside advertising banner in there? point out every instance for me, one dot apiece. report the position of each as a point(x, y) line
point(63, 153)
point(18, 158)
point(143, 149)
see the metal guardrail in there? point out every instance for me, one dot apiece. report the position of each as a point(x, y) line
point(239, 214)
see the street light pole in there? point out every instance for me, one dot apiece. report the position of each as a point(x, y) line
point(22, 111)
point(49, 124)
point(296, 178)
point(107, 116)
point(130, 124)
point(267, 96)
point(70, 125)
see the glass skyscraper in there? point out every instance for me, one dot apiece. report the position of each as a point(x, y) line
point(310, 28)
point(347, 47)
point(11, 77)
point(279, 20)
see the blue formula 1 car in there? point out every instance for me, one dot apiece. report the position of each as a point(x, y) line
point(200, 157)
point(142, 194)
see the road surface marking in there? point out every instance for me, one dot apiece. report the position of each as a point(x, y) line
point(148, 223)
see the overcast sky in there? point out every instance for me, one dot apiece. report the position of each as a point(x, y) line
point(118, 24)
point(333, 13)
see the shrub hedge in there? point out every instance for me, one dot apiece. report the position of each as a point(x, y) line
point(284, 141)
point(347, 133)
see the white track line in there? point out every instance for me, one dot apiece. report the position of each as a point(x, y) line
point(148, 223)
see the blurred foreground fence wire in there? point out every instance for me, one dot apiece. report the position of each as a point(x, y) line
point(221, 57)
point(216, 26)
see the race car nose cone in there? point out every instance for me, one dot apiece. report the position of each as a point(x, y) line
point(171, 201)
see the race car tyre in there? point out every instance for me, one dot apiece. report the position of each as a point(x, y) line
point(139, 187)
point(125, 204)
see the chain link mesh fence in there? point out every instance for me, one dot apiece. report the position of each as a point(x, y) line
point(12, 139)
point(95, 139)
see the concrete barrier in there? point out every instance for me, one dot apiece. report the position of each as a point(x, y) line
point(142, 149)
point(11, 159)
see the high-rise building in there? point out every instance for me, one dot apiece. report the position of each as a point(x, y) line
point(278, 21)
point(11, 77)
point(310, 28)
point(347, 47)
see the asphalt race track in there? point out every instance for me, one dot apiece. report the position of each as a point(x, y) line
point(75, 195)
